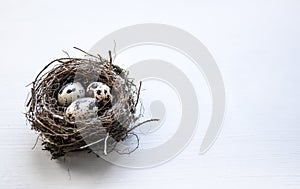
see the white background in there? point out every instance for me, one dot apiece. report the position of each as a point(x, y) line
point(256, 46)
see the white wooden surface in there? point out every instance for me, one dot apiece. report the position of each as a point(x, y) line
point(256, 46)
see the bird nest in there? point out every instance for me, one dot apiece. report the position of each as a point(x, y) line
point(114, 122)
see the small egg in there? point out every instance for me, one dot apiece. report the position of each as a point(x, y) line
point(69, 93)
point(82, 109)
point(100, 91)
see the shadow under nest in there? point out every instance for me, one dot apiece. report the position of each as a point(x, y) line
point(114, 123)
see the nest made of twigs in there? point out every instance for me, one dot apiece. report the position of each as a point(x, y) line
point(114, 124)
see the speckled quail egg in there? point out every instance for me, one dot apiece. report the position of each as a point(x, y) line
point(100, 91)
point(69, 93)
point(82, 109)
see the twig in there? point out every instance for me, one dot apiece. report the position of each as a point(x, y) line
point(149, 120)
point(85, 146)
point(137, 146)
point(110, 60)
point(115, 54)
point(66, 53)
point(36, 141)
point(28, 99)
point(105, 144)
point(28, 84)
point(138, 94)
point(85, 52)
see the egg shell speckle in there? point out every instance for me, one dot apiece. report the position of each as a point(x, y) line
point(69, 93)
point(100, 91)
point(82, 109)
